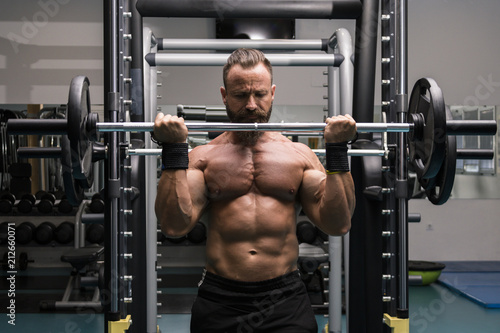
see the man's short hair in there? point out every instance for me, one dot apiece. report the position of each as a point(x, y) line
point(246, 58)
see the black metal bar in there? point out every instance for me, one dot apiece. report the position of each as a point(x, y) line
point(476, 127)
point(365, 310)
point(93, 218)
point(365, 307)
point(338, 9)
point(475, 154)
point(55, 152)
point(112, 167)
point(209, 116)
point(141, 300)
point(37, 126)
point(42, 152)
point(365, 51)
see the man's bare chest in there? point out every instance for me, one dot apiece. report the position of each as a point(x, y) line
point(272, 173)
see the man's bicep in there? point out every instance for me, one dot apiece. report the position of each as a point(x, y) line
point(198, 190)
point(311, 191)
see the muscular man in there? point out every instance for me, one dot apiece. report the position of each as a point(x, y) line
point(252, 185)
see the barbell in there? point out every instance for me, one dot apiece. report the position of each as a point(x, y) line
point(430, 127)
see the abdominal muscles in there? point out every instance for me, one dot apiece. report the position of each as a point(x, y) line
point(249, 243)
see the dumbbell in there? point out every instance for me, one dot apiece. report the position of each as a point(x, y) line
point(21, 262)
point(306, 232)
point(7, 200)
point(64, 206)
point(25, 233)
point(44, 233)
point(46, 203)
point(64, 233)
point(97, 204)
point(198, 234)
point(95, 233)
point(26, 203)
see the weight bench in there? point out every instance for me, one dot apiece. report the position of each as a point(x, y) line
point(81, 277)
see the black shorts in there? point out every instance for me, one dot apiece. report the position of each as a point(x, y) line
point(278, 305)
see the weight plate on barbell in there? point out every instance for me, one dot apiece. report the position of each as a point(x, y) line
point(440, 191)
point(72, 185)
point(427, 143)
point(81, 147)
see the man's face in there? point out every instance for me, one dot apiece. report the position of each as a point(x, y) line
point(248, 95)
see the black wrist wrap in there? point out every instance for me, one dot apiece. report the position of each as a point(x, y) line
point(336, 157)
point(174, 156)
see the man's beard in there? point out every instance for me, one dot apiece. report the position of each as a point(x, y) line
point(249, 138)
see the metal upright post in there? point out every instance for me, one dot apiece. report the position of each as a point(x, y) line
point(388, 90)
point(402, 162)
point(112, 108)
point(151, 167)
point(340, 42)
point(394, 106)
point(143, 306)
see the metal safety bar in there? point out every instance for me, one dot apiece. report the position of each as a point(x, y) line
point(233, 44)
point(319, 152)
point(216, 59)
point(56, 152)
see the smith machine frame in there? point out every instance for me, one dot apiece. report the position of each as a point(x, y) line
point(378, 240)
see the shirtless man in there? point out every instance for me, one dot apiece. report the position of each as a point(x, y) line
point(252, 184)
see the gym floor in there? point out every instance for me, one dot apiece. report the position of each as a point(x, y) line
point(433, 308)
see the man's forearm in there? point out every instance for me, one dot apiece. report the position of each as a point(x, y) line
point(173, 204)
point(338, 203)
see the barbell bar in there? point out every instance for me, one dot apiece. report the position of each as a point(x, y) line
point(58, 126)
point(453, 127)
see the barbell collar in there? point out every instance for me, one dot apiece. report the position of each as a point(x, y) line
point(278, 127)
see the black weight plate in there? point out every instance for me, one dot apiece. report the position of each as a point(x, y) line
point(427, 153)
point(442, 185)
point(77, 112)
point(72, 187)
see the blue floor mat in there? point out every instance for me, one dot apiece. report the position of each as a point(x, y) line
point(478, 281)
